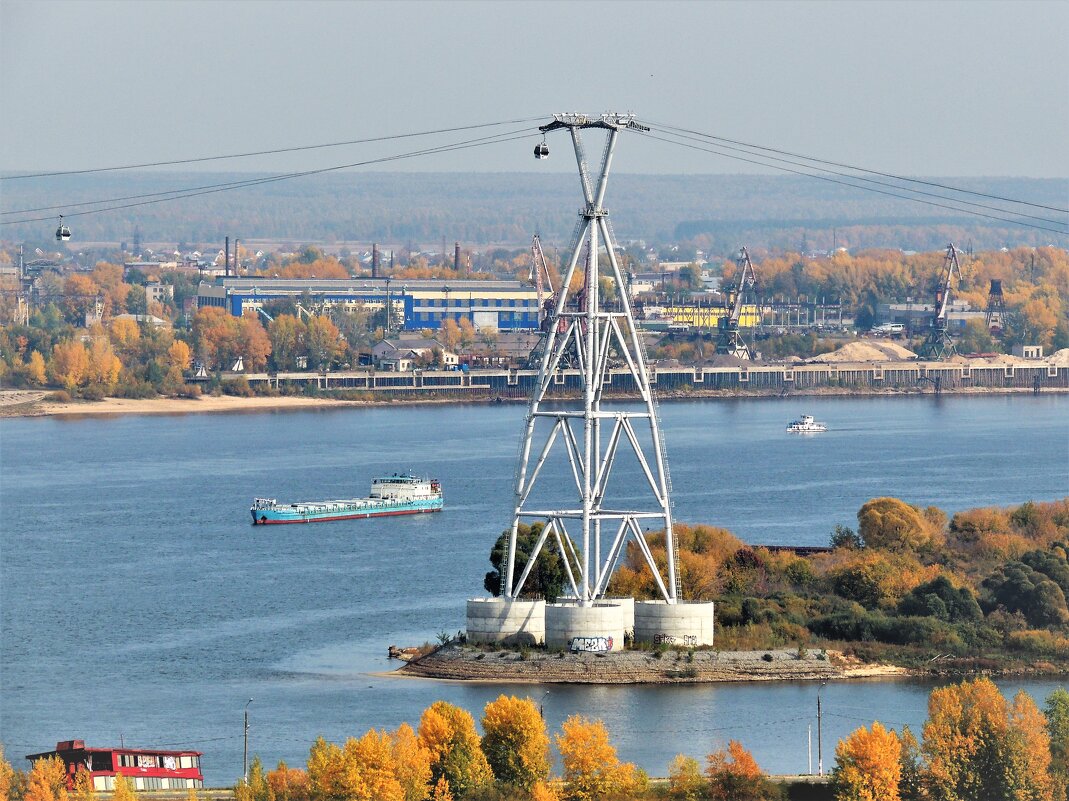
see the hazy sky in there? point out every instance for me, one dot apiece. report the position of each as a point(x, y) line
point(921, 88)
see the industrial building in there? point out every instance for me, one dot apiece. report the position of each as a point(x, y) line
point(416, 303)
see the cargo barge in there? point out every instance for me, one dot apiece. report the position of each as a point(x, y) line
point(399, 494)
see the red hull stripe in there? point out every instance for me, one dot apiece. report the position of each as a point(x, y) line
point(361, 516)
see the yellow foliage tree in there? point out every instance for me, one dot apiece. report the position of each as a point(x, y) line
point(515, 741)
point(7, 776)
point(35, 369)
point(544, 792)
point(370, 771)
point(448, 733)
point(70, 364)
point(592, 769)
point(413, 763)
point(685, 782)
point(449, 334)
point(125, 333)
point(441, 790)
point(980, 749)
point(104, 365)
point(124, 789)
point(894, 525)
point(867, 765)
point(326, 771)
point(322, 341)
point(83, 786)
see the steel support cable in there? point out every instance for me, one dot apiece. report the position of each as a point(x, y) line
point(268, 152)
point(863, 169)
point(853, 186)
point(874, 181)
point(231, 184)
point(189, 193)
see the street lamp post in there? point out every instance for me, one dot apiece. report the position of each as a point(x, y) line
point(820, 738)
point(541, 705)
point(245, 757)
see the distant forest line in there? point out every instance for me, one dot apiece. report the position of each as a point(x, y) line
point(423, 209)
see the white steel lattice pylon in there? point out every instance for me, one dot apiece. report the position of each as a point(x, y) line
point(583, 335)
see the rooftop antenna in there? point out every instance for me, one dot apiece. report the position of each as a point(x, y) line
point(592, 436)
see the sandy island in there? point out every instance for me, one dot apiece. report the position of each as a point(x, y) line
point(458, 662)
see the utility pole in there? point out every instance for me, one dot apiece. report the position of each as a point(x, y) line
point(820, 738)
point(809, 733)
point(245, 757)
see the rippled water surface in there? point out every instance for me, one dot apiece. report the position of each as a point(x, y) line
point(138, 601)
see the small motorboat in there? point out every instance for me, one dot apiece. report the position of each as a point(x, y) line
point(805, 425)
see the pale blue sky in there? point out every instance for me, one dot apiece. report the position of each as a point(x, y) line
point(922, 88)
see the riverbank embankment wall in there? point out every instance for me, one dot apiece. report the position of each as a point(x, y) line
point(751, 379)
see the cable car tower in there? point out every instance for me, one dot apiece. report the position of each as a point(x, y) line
point(729, 339)
point(938, 344)
point(590, 533)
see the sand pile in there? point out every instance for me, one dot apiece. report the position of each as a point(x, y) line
point(1060, 358)
point(867, 351)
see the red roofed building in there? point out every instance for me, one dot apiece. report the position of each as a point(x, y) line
point(145, 768)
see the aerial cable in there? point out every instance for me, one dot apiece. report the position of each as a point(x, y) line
point(874, 181)
point(267, 152)
point(854, 186)
point(508, 136)
point(226, 184)
point(864, 169)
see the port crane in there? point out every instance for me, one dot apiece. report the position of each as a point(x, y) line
point(729, 339)
point(543, 280)
point(938, 344)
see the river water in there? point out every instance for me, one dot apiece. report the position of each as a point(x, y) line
point(138, 602)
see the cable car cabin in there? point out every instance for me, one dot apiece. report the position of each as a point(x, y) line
point(541, 151)
point(144, 768)
point(63, 233)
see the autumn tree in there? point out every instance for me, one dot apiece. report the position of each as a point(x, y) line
point(891, 524)
point(70, 364)
point(322, 341)
point(979, 748)
point(123, 790)
point(125, 333)
point(515, 742)
point(685, 781)
point(104, 365)
point(734, 775)
point(449, 333)
point(467, 334)
point(287, 340)
point(254, 344)
point(591, 769)
point(370, 771)
point(35, 369)
point(47, 780)
point(83, 786)
point(867, 765)
point(413, 763)
point(326, 769)
point(448, 733)
point(7, 777)
point(287, 784)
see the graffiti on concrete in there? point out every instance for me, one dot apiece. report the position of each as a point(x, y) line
point(689, 640)
point(591, 644)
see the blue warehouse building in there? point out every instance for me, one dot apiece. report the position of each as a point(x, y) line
point(416, 303)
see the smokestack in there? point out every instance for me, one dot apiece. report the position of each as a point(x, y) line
point(375, 260)
point(226, 258)
point(456, 257)
point(391, 261)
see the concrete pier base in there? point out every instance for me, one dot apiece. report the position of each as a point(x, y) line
point(509, 622)
point(599, 627)
point(686, 624)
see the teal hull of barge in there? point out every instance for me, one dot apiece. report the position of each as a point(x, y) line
point(341, 510)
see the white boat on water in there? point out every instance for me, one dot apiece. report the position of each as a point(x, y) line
point(805, 425)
